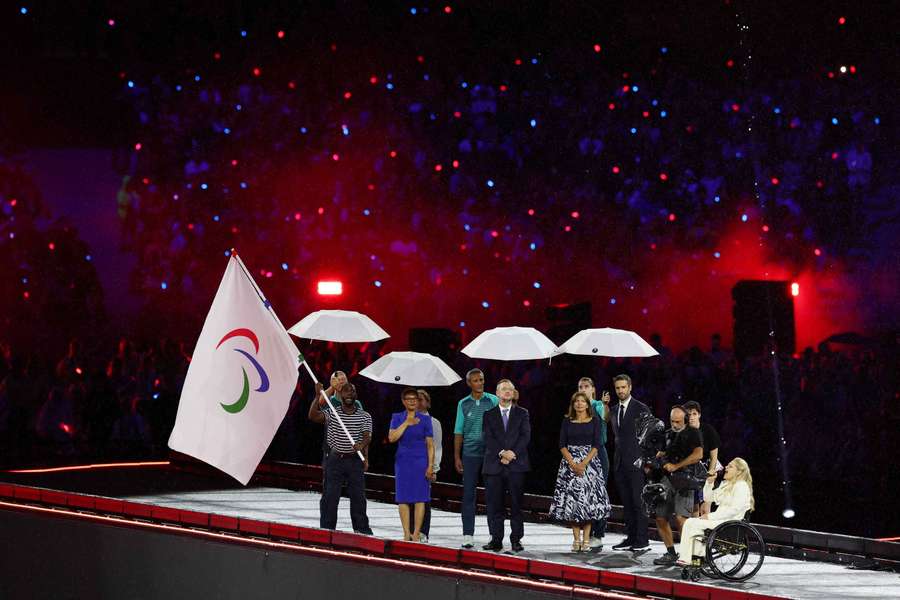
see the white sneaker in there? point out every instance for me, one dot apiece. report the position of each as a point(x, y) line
point(468, 541)
point(423, 538)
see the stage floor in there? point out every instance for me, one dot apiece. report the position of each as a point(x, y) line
point(778, 576)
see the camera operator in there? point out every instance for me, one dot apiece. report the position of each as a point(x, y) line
point(684, 448)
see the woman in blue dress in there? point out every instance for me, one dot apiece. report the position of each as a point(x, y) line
point(414, 462)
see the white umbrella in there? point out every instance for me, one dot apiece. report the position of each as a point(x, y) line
point(606, 341)
point(411, 368)
point(338, 326)
point(511, 343)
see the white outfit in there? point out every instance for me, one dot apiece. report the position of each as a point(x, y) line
point(437, 441)
point(732, 502)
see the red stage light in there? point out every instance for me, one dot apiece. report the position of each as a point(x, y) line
point(597, 48)
point(330, 288)
point(795, 289)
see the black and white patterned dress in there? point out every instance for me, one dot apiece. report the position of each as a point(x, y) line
point(579, 499)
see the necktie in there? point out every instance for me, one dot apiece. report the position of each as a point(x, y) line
point(621, 414)
point(505, 413)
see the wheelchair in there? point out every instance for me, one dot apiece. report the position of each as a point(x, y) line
point(735, 551)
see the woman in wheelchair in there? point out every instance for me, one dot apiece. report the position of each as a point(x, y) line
point(732, 499)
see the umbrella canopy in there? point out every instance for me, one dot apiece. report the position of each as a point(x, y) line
point(411, 368)
point(511, 343)
point(338, 326)
point(606, 341)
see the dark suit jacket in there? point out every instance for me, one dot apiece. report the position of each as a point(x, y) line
point(515, 438)
point(626, 449)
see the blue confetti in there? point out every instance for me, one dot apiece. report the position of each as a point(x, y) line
point(377, 283)
point(485, 304)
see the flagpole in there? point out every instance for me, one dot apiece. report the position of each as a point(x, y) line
point(333, 409)
point(259, 293)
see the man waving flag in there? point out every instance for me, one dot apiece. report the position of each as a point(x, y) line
point(240, 380)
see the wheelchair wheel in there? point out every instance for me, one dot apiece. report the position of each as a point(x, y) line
point(735, 551)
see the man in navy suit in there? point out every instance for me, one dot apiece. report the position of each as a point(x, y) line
point(629, 479)
point(507, 431)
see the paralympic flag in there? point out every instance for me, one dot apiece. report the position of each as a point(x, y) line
point(240, 380)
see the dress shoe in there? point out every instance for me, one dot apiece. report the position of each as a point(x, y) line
point(517, 546)
point(493, 546)
point(623, 545)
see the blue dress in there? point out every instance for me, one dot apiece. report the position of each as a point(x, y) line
point(410, 484)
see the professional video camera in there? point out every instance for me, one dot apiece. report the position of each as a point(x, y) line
point(651, 438)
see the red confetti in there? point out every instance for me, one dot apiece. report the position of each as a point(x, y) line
point(137, 146)
point(615, 170)
point(52, 246)
point(438, 168)
point(321, 210)
point(729, 63)
point(280, 35)
point(664, 176)
point(597, 48)
point(612, 106)
point(526, 302)
point(335, 157)
point(347, 95)
point(775, 181)
point(842, 20)
point(495, 233)
point(765, 228)
point(257, 71)
point(448, 10)
point(373, 79)
point(817, 252)
point(672, 217)
point(455, 164)
point(530, 212)
point(575, 214)
point(393, 154)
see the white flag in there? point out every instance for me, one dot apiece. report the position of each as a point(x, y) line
point(240, 380)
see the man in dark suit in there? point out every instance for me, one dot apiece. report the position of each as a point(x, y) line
point(507, 431)
point(629, 479)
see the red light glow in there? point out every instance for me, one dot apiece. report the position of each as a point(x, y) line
point(330, 288)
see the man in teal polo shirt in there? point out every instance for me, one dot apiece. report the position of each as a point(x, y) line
point(468, 446)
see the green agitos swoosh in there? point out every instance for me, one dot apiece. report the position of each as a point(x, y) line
point(241, 402)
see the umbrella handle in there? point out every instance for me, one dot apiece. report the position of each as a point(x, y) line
point(333, 411)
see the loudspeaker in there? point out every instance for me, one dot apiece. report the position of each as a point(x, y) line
point(438, 341)
point(763, 317)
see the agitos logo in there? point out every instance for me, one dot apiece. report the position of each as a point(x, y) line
point(241, 402)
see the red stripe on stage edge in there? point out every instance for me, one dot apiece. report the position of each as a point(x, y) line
point(109, 505)
point(6, 490)
point(163, 513)
point(622, 581)
point(545, 569)
point(581, 575)
point(223, 522)
point(654, 585)
point(285, 532)
point(511, 564)
point(726, 594)
point(136, 509)
point(192, 517)
point(355, 541)
point(690, 590)
point(53, 497)
point(315, 536)
point(474, 558)
point(27, 493)
point(253, 526)
point(88, 502)
point(425, 552)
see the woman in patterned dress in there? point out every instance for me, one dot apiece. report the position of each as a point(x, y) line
point(580, 496)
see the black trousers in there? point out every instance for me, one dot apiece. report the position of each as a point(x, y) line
point(630, 482)
point(340, 470)
point(496, 489)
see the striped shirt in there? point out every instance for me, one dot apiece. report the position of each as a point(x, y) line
point(357, 424)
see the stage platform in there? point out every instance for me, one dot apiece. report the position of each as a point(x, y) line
point(197, 502)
